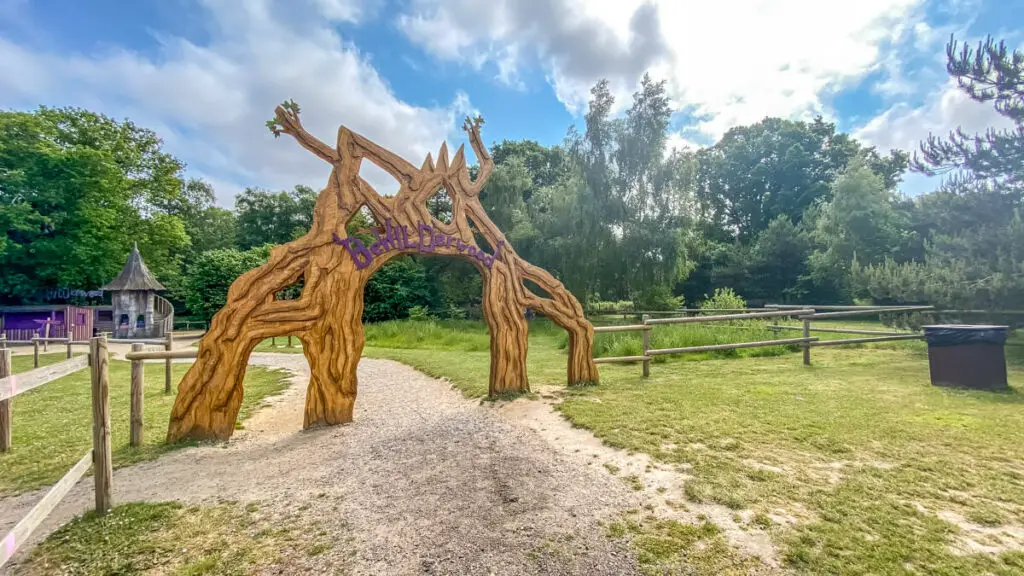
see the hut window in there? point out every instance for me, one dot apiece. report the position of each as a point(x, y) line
point(124, 320)
point(140, 322)
point(105, 315)
point(81, 319)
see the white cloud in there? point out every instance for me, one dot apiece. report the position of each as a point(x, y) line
point(210, 102)
point(903, 126)
point(677, 141)
point(729, 62)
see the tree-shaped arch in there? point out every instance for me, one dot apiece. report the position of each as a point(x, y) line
point(327, 317)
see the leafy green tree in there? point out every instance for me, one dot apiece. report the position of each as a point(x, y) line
point(399, 285)
point(860, 223)
point(777, 167)
point(211, 274)
point(777, 262)
point(266, 217)
point(76, 190)
point(212, 228)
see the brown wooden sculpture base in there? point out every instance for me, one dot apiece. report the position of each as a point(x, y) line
point(327, 317)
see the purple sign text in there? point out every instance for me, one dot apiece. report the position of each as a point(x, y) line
point(397, 238)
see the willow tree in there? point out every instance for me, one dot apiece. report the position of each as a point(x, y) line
point(335, 267)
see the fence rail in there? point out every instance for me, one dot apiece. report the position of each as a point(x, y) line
point(736, 346)
point(839, 330)
point(100, 455)
point(649, 323)
point(161, 354)
point(629, 328)
point(15, 384)
point(867, 340)
point(872, 312)
point(724, 317)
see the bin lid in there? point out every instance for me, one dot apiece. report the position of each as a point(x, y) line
point(965, 327)
point(964, 334)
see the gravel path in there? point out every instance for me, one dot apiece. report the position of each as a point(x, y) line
point(423, 482)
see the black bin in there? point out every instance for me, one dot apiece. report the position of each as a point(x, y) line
point(967, 356)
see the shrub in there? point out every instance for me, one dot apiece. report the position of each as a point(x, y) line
point(658, 297)
point(419, 313)
point(724, 298)
point(609, 307)
point(453, 312)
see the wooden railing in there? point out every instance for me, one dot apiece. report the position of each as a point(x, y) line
point(36, 341)
point(163, 307)
point(648, 353)
point(99, 457)
point(807, 314)
point(138, 356)
point(850, 313)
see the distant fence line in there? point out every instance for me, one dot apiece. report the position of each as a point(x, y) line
point(807, 314)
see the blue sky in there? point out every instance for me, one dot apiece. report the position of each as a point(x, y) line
point(205, 74)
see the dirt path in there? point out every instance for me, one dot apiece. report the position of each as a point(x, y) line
point(423, 482)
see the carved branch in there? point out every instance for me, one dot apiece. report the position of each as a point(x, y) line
point(288, 123)
point(472, 128)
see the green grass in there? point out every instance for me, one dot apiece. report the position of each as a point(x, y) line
point(52, 424)
point(24, 363)
point(167, 538)
point(859, 441)
point(671, 547)
point(847, 463)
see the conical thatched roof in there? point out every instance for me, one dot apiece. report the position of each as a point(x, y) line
point(134, 275)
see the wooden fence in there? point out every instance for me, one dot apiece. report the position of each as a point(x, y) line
point(649, 323)
point(138, 357)
point(99, 456)
point(807, 314)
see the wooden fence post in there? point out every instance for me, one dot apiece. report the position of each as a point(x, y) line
point(5, 405)
point(273, 341)
point(3, 341)
point(101, 456)
point(71, 337)
point(138, 378)
point(46, 336)
point(646, 339)
point(35, 351)
point(167, 363)
point(289, 340)
point(807, 345)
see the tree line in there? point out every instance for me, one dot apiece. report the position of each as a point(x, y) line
point(781, 211)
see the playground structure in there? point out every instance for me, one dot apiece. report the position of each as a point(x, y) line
point(334, 268)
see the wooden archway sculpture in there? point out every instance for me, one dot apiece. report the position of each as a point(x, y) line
point(327, 317)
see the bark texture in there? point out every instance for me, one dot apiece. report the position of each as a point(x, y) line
point(327, 317)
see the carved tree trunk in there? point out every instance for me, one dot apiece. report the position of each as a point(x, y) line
point(327, 316)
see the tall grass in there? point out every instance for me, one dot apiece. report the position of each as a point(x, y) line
point(462, 335)
point(472, 336)
point(686, 335)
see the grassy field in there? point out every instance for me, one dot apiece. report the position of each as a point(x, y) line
point(23, 363)
point(52, 425)
point(169, 538)
point(853, 465)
